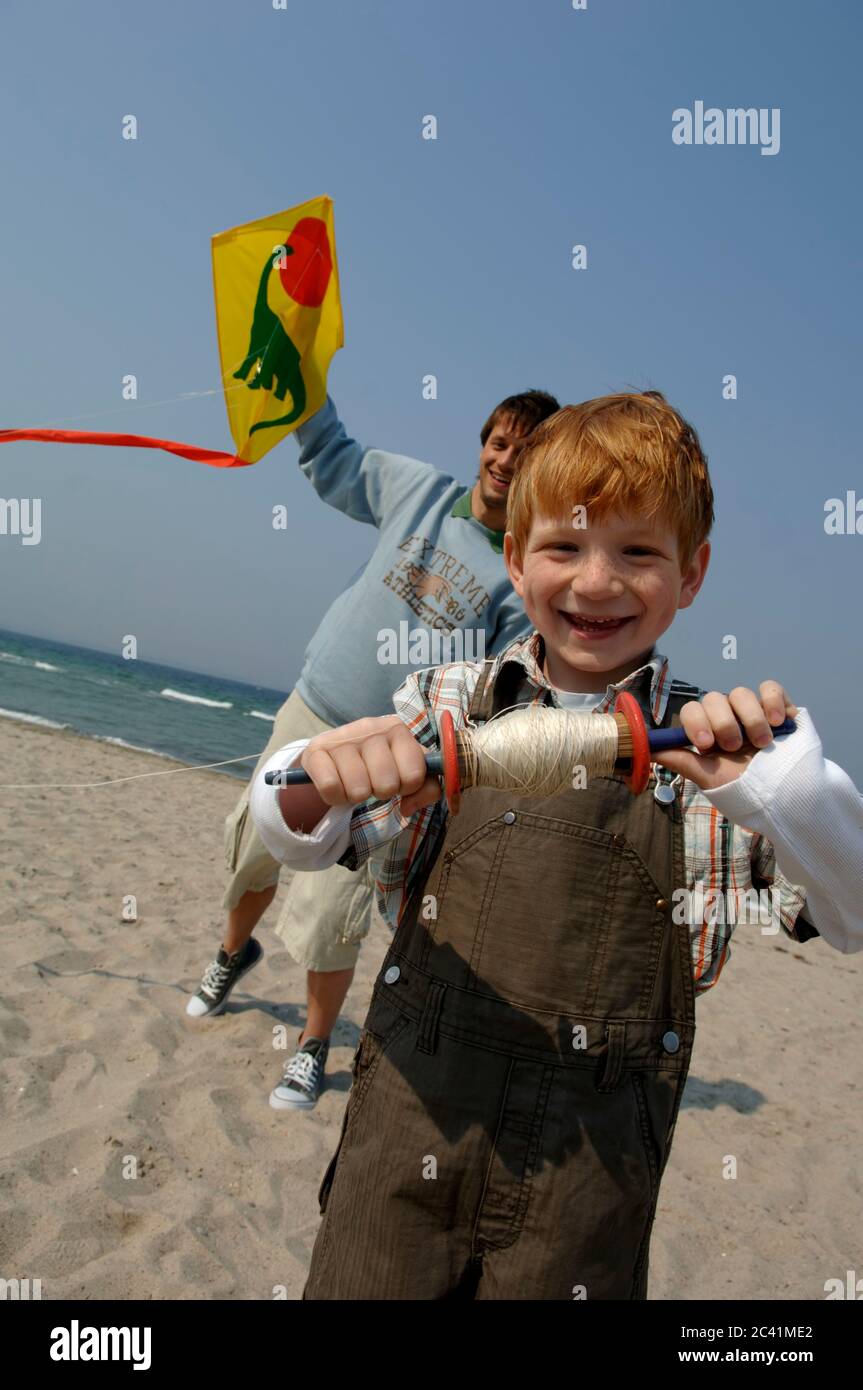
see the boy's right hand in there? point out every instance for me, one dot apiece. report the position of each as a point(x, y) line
point(371, 759)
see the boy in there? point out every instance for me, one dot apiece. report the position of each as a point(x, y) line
point(519, 1075)
point(437, 570)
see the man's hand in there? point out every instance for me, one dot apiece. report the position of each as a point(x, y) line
point(374, 758)
point(711, 725)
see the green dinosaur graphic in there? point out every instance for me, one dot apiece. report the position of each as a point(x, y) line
point(273, 357)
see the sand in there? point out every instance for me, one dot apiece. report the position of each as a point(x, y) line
point(103, 1071)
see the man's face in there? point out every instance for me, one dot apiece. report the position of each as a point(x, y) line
point(623, 570)
point(496, 470)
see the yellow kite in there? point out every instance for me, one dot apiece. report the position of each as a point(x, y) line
point(279, 322)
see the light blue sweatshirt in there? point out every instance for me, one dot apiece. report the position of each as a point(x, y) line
point(435, 571)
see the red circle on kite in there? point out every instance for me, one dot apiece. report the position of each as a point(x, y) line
point(306, 274)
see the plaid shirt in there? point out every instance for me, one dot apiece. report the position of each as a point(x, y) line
point(720, 858)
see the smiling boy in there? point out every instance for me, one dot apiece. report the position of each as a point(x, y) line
point(518, 1079)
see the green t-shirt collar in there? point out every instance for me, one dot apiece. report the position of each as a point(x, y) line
point(462, 508)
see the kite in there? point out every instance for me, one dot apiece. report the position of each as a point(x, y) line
point(279, 323)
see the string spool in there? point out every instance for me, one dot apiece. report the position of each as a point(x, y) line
point(535, 750)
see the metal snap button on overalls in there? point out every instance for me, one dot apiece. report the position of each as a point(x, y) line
point(508, 817)
point(666, 792)
point(392, 975)
point(670, 1041)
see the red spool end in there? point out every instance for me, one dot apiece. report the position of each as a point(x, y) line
point(639, 776)
point(451, 783)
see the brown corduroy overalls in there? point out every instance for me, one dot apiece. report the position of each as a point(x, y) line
point(519, 1075)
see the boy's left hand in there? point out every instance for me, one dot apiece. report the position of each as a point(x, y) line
point(712, 723)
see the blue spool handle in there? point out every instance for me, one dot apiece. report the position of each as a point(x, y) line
point(295, 776)
point(660, 740)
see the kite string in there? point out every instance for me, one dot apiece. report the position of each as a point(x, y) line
point(535, 750)
point(113, 781)
point(222, 390)
point(141, 405)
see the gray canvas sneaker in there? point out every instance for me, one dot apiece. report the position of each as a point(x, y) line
point(303, 1077)
point(220, 977)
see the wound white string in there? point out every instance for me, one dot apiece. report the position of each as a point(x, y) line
point(536, 750)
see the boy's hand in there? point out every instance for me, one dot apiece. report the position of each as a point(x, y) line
point(374, 758)
point(712, 727)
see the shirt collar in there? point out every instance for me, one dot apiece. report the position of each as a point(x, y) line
point(649, 683)
point(462, 508)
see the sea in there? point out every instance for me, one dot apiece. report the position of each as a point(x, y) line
point(195, 718)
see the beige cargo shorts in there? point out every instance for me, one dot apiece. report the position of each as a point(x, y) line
point(325, 915)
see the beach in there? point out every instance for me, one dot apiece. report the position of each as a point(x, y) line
point(104, 1076)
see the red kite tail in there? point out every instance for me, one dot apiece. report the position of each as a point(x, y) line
point(213, 457)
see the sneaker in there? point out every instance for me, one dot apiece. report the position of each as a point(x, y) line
point(220, 977)
point(303, 1080)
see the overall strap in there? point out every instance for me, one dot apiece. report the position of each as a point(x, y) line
point(481, 700)
point(679, 694)
point(479, 711)
point(493, 695)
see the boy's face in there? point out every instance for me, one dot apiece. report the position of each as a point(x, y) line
point(625, 570)
point(496, 471)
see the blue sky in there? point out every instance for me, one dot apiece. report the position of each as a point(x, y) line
point(554, 129)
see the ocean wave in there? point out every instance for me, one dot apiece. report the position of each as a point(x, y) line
point(135, 747)
point(169, 757)
point(16, 660)
point(256, 714)
point(196, 699)
point(31, 719)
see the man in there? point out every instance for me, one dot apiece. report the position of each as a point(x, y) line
point(434, 590)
